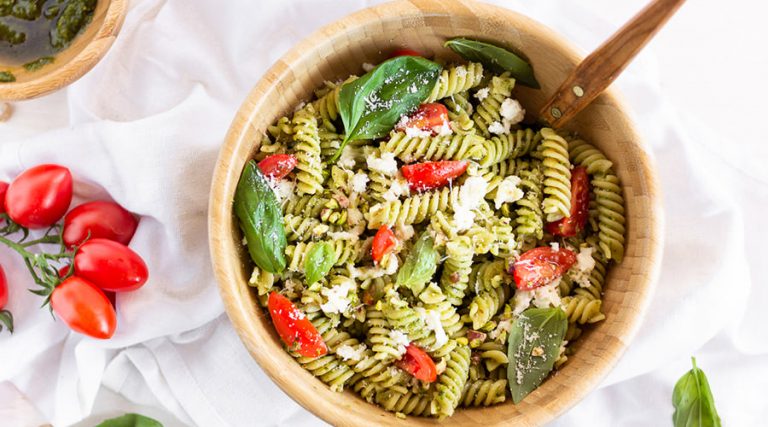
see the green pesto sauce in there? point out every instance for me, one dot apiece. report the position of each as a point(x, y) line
point(32, 32)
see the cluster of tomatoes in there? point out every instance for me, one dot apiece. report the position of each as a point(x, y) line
point(93, 260)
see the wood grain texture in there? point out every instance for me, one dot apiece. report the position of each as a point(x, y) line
point(74, 61)
point(601, 67)
point(338, 50)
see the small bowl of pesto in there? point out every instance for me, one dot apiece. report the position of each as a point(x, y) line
point(47, 44)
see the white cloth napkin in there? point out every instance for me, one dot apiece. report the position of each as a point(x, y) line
point(144, 128)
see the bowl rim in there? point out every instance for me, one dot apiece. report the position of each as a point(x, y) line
point(77, 66)
point(220, 209)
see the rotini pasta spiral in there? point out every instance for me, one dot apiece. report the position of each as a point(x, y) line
point(302, 229)
point(486, 304)
point(345, 250)
point(307, 206)
point(457, 268)
point(405, 403)
point(499, 148)
point(327, 106)
point(310, 169)
point(585, 154)
point(582, 309)
point(557, 176)
point(456, 79)
point(420, 148)
point(610, 208)
point(494, 355)
point(484, 393)
point(450, 384)
point(529, 223)
point(489, 110)
point(328, 368)
point(413, 210)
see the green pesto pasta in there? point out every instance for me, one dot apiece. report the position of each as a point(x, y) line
point(374, 311)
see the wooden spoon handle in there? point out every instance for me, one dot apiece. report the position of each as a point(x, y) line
point(602, 66)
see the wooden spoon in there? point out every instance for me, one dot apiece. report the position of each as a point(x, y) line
point(602, 66)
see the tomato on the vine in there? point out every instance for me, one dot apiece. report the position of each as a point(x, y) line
point(39, 196)
point(95, 220)
point(3, 190)
point(110, 265)
point(84, 308)
point(6, 319)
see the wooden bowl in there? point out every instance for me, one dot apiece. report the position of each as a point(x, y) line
point(337, 51)
point(70, 64)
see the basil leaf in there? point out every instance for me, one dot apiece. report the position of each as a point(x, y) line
point(130, 420)
point(261, 219)
point(495, 58)
point(371, 105)
point(534, 345)
point(318, 261)
point(693, 401)
point(420, 265)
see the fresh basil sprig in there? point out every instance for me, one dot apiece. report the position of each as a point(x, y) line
point(420, 265)
point(534, 345)
point(693, 401)
point(495, 58)
point(261, 219)
point(130, 420)
point(371, 105)
point(318, 261)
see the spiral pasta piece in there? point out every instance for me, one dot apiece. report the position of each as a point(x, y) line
point(310, 169)
point(486, 304)
point(327, 106)
point(494, 355)
point(405, 403)
point(557, 176)
point(529, 223)
point(610, 209)
point(484, 393)
point(380, 338)
point(587, 155)
point(442, 147)
point(306, 206)
point(329, 369)
point(345, 251)
point(413, 210)
point(456, 79)
point(457, 268)
point(582, 309)
point(489, 110)
point(499, 148)
point(302, 229)
point(450, 384)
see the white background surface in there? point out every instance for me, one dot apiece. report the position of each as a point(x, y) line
point(145, 126)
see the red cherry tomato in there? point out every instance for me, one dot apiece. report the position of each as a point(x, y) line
point(428, 117)
point(570, 226)
point(3, 289)
point(417, 362)
point(431, 175)
point(404, 52)
point(63, 271)
point(39, 196)
point(383, 242)
point(277, 166)
point(296, 331)
point(110, 265)
point(540, 266)
point(98, 220)
point(84, 308)
point(3, 189)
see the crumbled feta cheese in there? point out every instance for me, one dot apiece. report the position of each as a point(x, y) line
point(392, 265)
point(368, 66)
point(463, 217)
point(359, 182)
point(347, 158)
point(400, 340)
point(399, 187)
point(444, 129)
point(347, 352)
point(471, 196)
point(414, 132)
point(555, 246)
point(386, 164)
point(284, 189)
point(547, 295)
point(497, 128)
point(338, 297)
point(508, 191)
point(461, 71)
point(583, 268)
point(482, 94)
point(432, 319)
point(512, 112)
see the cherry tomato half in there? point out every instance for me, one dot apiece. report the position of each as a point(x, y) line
point(540, 266)
point(296, 331)
point(431, 175)
point(110, 265)
point(84, 308)
point(3, 189)
point(417, 362)
point(383, 242)
point(98, 220)
point(404, 52)
point(570, 226)
point(39, 196)
point(277, 166)
point(428, 117)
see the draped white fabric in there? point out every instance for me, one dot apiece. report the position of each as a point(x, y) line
point(144, 128)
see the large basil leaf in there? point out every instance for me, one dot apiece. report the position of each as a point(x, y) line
point(534, 345)
point(371, 105)
point(130, 420)
point(693, 401)
point(495, 58)
point(261, 219)
point(318, 261)
point(420, 265)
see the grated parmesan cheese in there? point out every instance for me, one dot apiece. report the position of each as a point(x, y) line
point(414, 132)
point(508, 191)
point(585, 263)
point(432, 318)
point(482, 94)
point(471, 197)
point(399, 187)
point(400, 340)
point(347, 352)
point(497, 128)
point(359, 182)
point(386, 164)
point(347, 158)
point(338, 297)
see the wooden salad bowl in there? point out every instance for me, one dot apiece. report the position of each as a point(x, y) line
point(338, 50)
point(75, 61)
